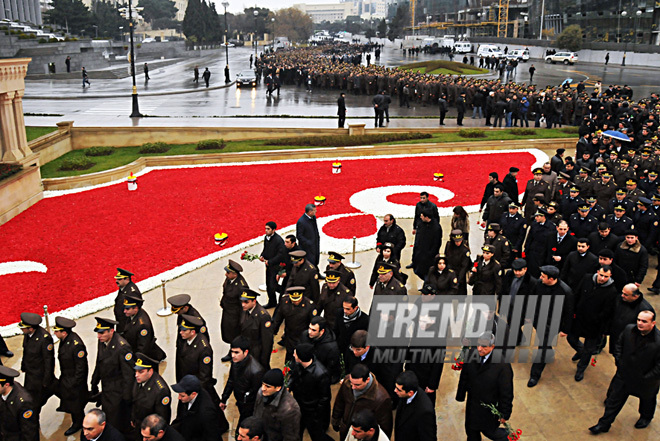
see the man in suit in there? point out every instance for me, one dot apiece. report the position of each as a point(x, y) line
point(560, 245)
point(273, 254)
point(197, 418)
point(489, 383)
point(96, 427)
point(308, 234)
point(415, 415)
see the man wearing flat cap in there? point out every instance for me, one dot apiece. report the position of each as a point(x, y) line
point(510, 184)
point(38, 361)
point(126, 286)
point(296, 311)
point(257, 327)
point(534, 186)
point(387, 284)
point(549, 285)
point(347, 276)
point(18, 418)
point(194, 355)
point(71, 387)
point(180, 305)
point(197, 417)
point(151, 394)
point(278, 409)
point(114, 370)
point(332, 296)
point(138, 331)
point(273, 254)
point(304, 273)
point(230, 302)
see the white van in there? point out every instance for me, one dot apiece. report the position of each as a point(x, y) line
point(463, 47)
point(489, 50)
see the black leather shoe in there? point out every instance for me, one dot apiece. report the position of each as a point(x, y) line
point(7, 354)
point(226, 358)
point(579, 376)
point(71, 430)
point(409, 266)
point(642, 423)
point(576, 357)
point(599, 428)
point(532, 382)
point(655, 291)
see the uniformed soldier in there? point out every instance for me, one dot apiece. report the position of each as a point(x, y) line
point(535, 186)
point(634, 193)
point(114, 370)
point(151, 394)
point(500, 243)
point(388, 285)
point(604, 189)
point(305, 274)
point(536, 243)
point(458, 258)
point(126, 286)
point(138, 331)
point(296, 311)
point(563, 187)
point(596, 210)
point(332, 296)
point(619, 222)
point(18, 419)
point(194, 355)
point(514, 227)
point(486, 275)
point(232, 288)
point(347, 276)
point(623, 172)
point(650, 183)
point(257, 327)
point(570, 202)
point(38, 359)
point(646, 223)
point(553, 215)
point(655, 200)
point(582, 224)
point(71, 387)
point(621, 199)
point(585, 181)
point(180, 305)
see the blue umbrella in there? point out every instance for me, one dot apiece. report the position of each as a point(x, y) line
point(614, 134)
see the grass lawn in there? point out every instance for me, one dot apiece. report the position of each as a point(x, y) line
point(125, 155)
point(36, 132)
point(443, 67)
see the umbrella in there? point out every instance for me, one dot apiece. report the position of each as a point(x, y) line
point(567, 81)
point(614, 134)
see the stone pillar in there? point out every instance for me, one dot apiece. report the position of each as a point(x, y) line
point(10, 150)
point(21, 137)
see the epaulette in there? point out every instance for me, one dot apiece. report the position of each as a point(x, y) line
point(160, 385)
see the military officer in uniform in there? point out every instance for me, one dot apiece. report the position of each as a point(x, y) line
point(38, 359)
point(387, 283)
point(194, 355)
point(534, 186)
point(646, 223)
point(570, 202)
point(232, 288)
point(514, 227)
point(604, 189)
point(619, 222)
point(585, 181)
point(71, 387)
point(500, 243)
point(305, 274)
point(582, 223)
point(621, 199)
point(296, 311)
point(138, 331)
point(596, 210)
point(332, 297)
point(150, 393)
point(114, 370)
point(347, 276)
point(257, 327)
point(126, 286)
point(486, 275)
point(180, 305)
point(18, 419)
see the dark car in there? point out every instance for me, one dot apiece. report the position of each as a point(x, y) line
point(246, 78)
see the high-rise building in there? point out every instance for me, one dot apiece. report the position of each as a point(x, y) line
point(24, 11)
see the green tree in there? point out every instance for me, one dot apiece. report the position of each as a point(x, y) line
point(382, 29)
point(570, 38)
point(157, 9)
point(108, 19)
point(293, 24)
point(401, 19)
point(69, 14)
point(370, 33)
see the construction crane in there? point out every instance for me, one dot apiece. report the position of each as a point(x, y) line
point(412, 15)
point(503, 18)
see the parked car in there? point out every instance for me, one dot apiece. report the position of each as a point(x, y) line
point(463, 47)
point(149, 40)
point(489, 50)
point(236, 42)
point(229, 44)
point(562, 57)
point(518, 54)
point(246, 78)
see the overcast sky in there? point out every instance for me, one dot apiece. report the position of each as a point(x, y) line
point(236, 6)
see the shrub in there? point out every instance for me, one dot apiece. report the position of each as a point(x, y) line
point(99, 151)
point(154, 147)
point(53, 40)
point(77, 163)
point(522, 132)
point(570, 129)
point(347, 140)
point(471, 133)
point(211, 144)
point(42, 41)
point(6, 170)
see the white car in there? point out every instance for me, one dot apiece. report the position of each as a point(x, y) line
point(229, 44)
point(518, 54)
point(562, 57)
point(149, 40)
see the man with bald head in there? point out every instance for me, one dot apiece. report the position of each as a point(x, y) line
point(96, 427)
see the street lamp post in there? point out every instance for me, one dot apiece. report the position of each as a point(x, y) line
point(96, 30)
point(225, 4)
point(256, 14)
point(136, 108)
point(638, 25)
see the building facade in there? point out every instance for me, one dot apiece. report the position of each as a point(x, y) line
point(24, 11)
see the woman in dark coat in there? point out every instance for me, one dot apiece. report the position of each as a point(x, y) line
point(386, 256)
point(443, 279)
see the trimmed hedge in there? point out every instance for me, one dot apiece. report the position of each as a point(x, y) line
point(211, 144)
point(471, 133)
point(99, 151)
point(522, 131)
point(570, 129)
point(347, 140)
point(6, 170)
point(77, 163)
point(154, 147)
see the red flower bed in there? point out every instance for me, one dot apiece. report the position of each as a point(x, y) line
point(411, 198)
point(347, 227)
point(172, 217)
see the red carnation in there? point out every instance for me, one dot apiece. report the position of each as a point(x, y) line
point(476, 264)
point(554, 249)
